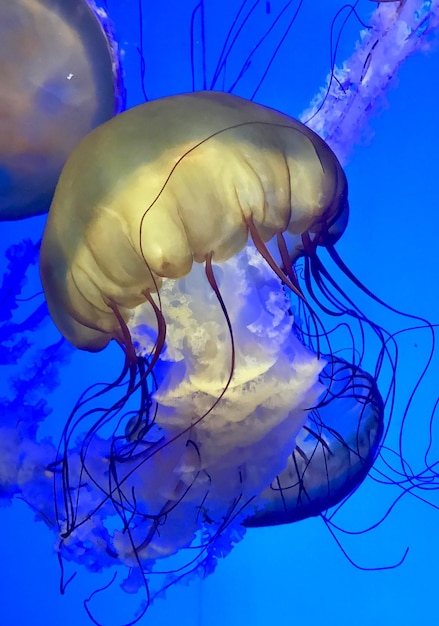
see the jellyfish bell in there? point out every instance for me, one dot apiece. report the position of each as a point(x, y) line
point(334, 452)
point(167, 184)
point(61, 77)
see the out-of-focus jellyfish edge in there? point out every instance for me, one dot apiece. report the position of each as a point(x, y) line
point(356, 89)
point(61, 77)
point(31, 367)
point(116, 56)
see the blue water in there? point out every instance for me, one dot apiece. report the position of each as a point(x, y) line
point(295, 574)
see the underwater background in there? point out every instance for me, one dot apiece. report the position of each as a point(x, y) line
point(294, 573)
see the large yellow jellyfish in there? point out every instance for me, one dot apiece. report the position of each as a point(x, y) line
point(172, 231)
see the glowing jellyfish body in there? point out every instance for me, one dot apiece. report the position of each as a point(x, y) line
point(174, 181)
point(60, 78)
point(156, 238)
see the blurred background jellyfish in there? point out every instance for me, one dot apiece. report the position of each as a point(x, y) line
point(60, 77)
point(205, 431)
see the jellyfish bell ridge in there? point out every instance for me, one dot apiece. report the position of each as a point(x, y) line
point(165, 184)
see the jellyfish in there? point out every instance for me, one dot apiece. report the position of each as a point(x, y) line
point(61, 77)
point(169, 202)
point(182, 252)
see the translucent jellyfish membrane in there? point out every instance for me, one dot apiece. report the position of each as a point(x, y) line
point(156, 238)
point(333, 452)
point(60, 78)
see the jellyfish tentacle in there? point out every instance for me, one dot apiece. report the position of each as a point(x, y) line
point(287, 265)
point(263, 250)
point(213, 283)
point(127, 342)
